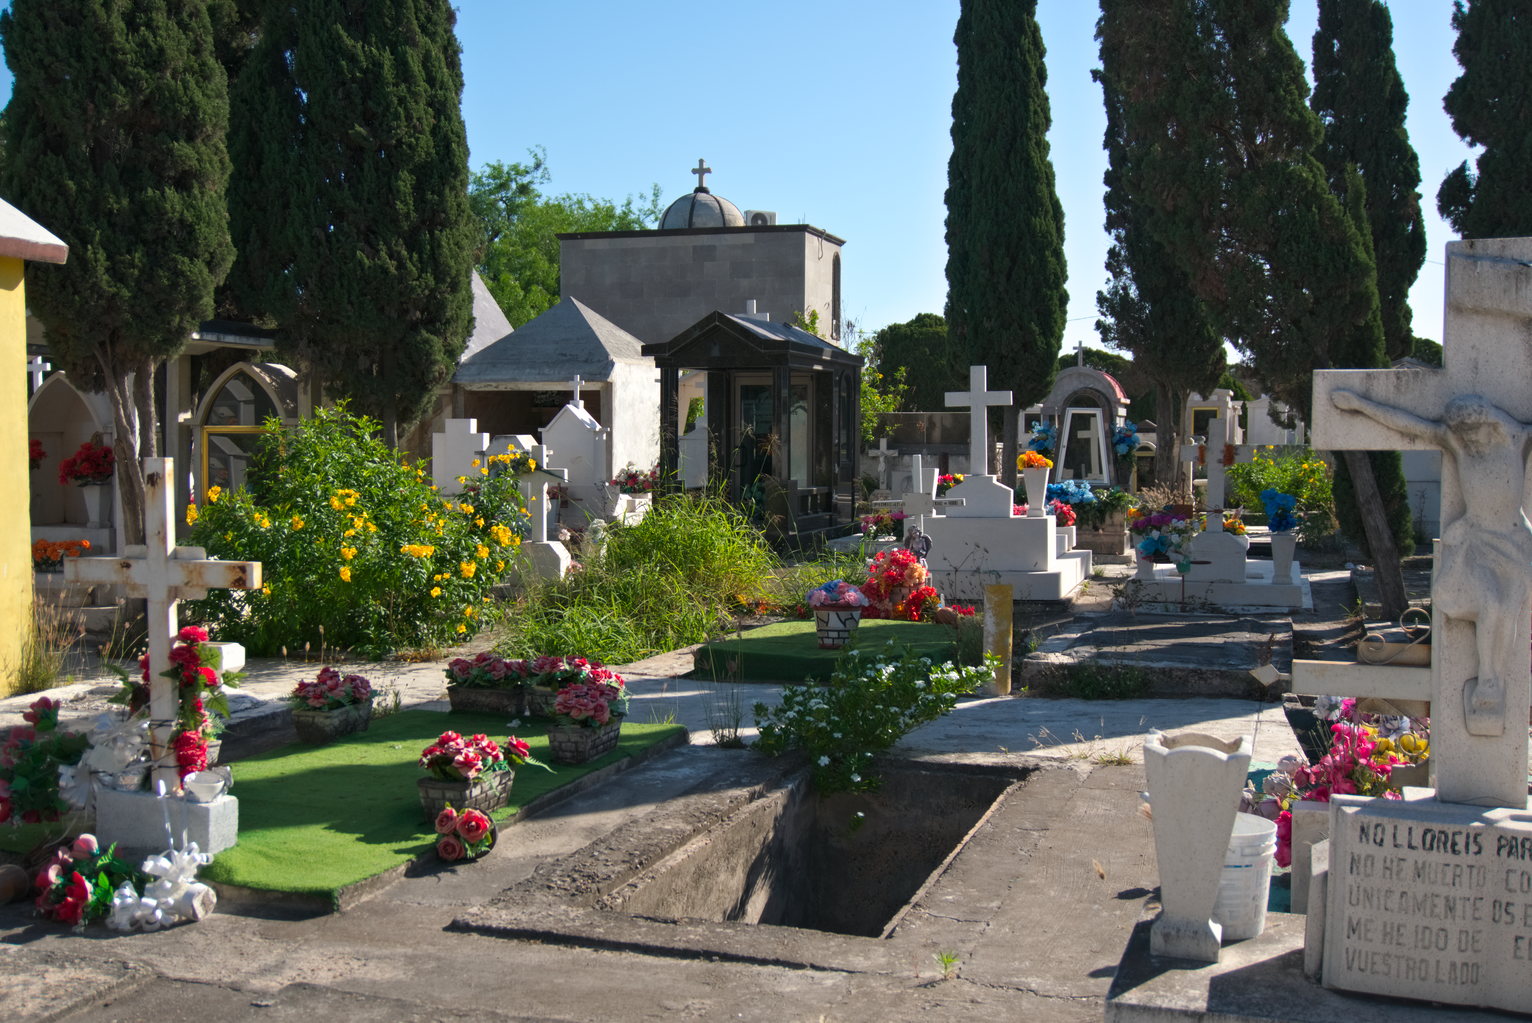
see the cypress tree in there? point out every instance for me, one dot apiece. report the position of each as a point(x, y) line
point(354, 228)
point(1360, 100)
point(921, 348)
point(1215, 100)
point(1148, 308)
point(1490, 104)
point(115, 142)
point(1005, 226)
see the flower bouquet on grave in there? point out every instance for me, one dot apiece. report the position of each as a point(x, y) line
point(630, 480)
point(49, 555)
point(91, 466)
point(1279, 510)
point(1064, 513)
point(203, 705)
point(35, 453)
point(1045, 439)
point(586, 722)
point(473, 773)
point(549, 674)
point(1034, 468)
point(464, 836)
point(78, 881)
point(1161, 535)
point(837, 607)
point(330, 706)
point(883, 523)
point(1125, 440)
point(488, 684)
point(894, 578)
point(31, 756)
point(947, 481)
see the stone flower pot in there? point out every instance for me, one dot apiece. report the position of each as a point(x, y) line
point(321, 726)
point(539, 701)
point(1036, 481)
point(489, 791)
point(509, 700)
point(834, 625)
point(579, 744)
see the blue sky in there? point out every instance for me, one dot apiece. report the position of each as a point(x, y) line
point(837, 113)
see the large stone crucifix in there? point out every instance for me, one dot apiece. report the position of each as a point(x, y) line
point(164, 575)
point(978, 399)
point(883, 453)
point(1478, 412)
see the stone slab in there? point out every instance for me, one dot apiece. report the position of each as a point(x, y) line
point(1258, 591)
point(1430, 900)
point(37, 985)
point(136, 821)
point(1258, 979)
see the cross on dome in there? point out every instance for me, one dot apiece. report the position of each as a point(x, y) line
point(702, 170)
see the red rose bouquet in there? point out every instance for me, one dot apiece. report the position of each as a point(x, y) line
point(92, 465)
point(591, 704)
point(331, 691)
point(463, 836)
point(35, 452)
point(76, 884)
point(204, 704)
point(897, 586)
point(454, 758)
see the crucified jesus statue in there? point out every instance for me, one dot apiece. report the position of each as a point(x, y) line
point(1485, 575)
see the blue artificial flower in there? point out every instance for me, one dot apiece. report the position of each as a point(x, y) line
point(1071, 492)
point(1125, 439)
point(1044, 438)
point(1279, 510)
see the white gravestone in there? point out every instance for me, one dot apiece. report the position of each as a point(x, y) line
point(883, 453)
point(164, 575)
point(920, 499)
point(453, 452)
point(549, 558)
point(580, 444)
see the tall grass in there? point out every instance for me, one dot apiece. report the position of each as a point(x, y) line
point(673, 579)
point(45, 648)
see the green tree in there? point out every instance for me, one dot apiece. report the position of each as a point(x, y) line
point(920, 352)
point(1148, 308)
point(349, 115)
point(1490, 104)
point(1215, 102)
point(115, 141)
point(1005, 226)
point(518, 225)
point(1361, 102)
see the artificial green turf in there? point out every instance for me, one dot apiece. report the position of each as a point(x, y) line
point(314, 819)
point(789, 651)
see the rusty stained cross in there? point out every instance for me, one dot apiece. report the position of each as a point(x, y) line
point(1479, 752)
point(164, 575)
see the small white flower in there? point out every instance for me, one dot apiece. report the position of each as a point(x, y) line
point(856, 778)
point(824, 761)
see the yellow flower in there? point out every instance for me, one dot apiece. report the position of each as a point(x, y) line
point(474, 463)
point(372, 527)
point(462, 479)
point(467, 568)
point(481, 552)
point(297, 522)
point(263, 521)
point(470, 610)
point(266, 590)
point(191, 515)
point(349, 532)
point(499, 566)
point(515, 541)
point(336, 502)
point(500, 534)
point(345, 573)
point(213, 494)
point(348, 553)
point(417, 550)
point(461, 627)
point(466, 509)
point(479, 522)
point(436, 591)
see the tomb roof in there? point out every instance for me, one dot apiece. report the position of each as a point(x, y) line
point(568, 338)
point(701, 208)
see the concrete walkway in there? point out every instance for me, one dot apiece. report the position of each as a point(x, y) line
point(1068, 880)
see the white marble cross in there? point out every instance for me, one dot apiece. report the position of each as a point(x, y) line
point(920, 501)
point(702, 170)
point(575, 384)
point(36, 367)
point(1222, 433)
point(164, 575)
point(453, 451)
point(1476, 410)
point(978, 399)
point(883, 453)
point(535, 486)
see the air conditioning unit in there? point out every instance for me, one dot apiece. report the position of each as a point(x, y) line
point(760, 218)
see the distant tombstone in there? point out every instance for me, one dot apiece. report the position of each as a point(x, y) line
point(453, 452)
point(883, 453)
point(579, 444)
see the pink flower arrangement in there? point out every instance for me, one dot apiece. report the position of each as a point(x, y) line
point(93, 464)
point(463, 835)
point(630, 480)
point(892, 580)
point(454, 758)
point(1064, 512)
point(591, 704)
point(838, 594)
point(487, 670)
point(882, 523)
point(75, 884)
point(331, 691)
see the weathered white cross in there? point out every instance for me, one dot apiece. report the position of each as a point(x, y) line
point(575, 401)
point(1476, 410)
point(978, 399)
point(920, 501)
point(1223, 432)
point(702, 170)
point(883, 453)
point(164, 575)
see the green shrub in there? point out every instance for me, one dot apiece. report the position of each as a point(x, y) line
point(667, 581)
point(1299, 472)
point(874, 698)
point(357, 549)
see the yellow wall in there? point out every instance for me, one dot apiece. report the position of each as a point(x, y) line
point(15, 513)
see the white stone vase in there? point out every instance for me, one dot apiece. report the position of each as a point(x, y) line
point(1036, 481)
point(98, 504)
point(1194, 785)
point(1282, 547)
point(1145, 566)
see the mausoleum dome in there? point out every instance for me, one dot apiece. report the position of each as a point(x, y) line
point(701, 208)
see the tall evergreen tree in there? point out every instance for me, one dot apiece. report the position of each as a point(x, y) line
point(1214, 99)
point(115, 141)
point(1490, 104)
point(353, 223)
point(1005, 226)
point(922, 350)
point(1360, 100)
point(1148, 308)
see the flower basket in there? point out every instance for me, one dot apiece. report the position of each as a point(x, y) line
point(489, 791)
point(511, 700)
point(579, 744)
point(834, 625)
point(321, 726)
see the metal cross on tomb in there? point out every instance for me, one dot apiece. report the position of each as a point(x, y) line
point(1478, 411)
point(978, 399)
point(883, 453)
point(164, 575)
point(702, 170)
point(920, 501)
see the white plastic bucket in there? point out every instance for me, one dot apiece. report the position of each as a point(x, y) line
point(1245, 881)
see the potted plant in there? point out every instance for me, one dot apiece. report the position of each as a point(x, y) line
point(49, 555)
point(549, 674)
point(837, 607)
point(331, 705)
point(1034, 468)
point(587, 720)
point(487, 684)
point(464, 836)
point(91, 468)
point(473, 773)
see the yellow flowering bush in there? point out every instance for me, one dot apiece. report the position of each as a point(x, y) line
point(354, 541)
point(1296, 471)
